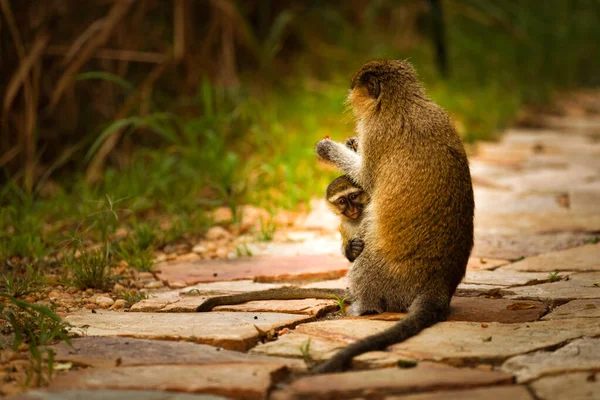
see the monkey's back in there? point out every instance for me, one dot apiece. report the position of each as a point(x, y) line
point(423, 218)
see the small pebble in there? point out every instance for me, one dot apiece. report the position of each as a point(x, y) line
point(154, 285)
point(118, 288)
point(217, 232)
point(104, 302)
point(120, 303)
point(145, 275)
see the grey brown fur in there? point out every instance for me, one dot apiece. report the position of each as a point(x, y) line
point(418, 229)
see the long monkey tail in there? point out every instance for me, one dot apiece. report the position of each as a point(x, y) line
point(285, 293)
point(422, 314)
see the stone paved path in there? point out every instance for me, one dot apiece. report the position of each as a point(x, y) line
point(517, 329)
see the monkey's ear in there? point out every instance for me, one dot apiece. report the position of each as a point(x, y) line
point(373, 87)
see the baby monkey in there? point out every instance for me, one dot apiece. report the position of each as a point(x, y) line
point(348, 200)
point(345, 199)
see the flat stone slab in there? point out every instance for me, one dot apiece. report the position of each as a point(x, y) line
point(585, 198)
point(480, 309)
point(485, 263)
point(576, 309)
point(240, 381)
point(226, 287)
point(233, 331)
point(79, 394)
point(504, 277)
point(578, 286)
point(537, 222)
point(506, 201)
point(424, 377)
point(580, 386)
point(512, 392)
point(517, 245)
point(582, 258)
point(178, 303)
point(579, 355)
point(550, 180)
point(474, 290)
point(110, 351)
point(260, 269)
point(457, 343)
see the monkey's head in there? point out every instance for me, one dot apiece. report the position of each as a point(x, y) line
point(345, 198)
point(381, 84)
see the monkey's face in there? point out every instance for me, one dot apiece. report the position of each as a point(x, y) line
point(349, 204)
point(376, 82)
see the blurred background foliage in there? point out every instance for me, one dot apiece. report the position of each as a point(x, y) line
point(171, 107)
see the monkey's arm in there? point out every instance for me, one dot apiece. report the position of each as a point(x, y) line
point(352, 245)
point(347, 160)
point(285, 293)
point(353, 248)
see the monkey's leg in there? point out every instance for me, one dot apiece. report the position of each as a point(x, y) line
point(348, 161)
point(424, 312)
point(285, 293)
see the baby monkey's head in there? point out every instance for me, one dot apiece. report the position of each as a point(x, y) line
point(381, 84)
point(345, 198)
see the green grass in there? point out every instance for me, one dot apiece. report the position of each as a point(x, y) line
point(341, 303)
point(36, 326)
point(89, 269)
point(17, 284)
point(554, 276)
point(305, 351)
point(132, 297)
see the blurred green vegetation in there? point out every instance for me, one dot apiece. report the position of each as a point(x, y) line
point(201, 130)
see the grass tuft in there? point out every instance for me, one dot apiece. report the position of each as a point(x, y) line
point(91, 269)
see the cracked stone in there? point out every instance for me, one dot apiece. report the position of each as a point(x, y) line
point(576, 309)
point(513, 392)
point(578, 286)
point(233, 331)
point(473, 290)
point(581, 258)
point(503, 277)
point(424, 377)
point(78, 394)
point(580, 386)
point(582, 354)
point(260, 269)
point(103, 352)
point(252, 381)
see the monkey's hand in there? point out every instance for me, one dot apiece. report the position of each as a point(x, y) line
point(352, 143)
point(354, 248)
point(342, 157)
